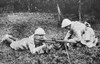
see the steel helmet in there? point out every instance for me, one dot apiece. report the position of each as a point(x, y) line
point(39, 30)
point(66, 22)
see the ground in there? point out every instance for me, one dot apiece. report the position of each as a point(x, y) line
point(22, 25)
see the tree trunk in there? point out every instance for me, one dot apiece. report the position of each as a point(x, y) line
point(28, 1)
point(60, 16)
point(80, 18)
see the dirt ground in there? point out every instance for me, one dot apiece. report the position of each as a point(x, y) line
point(22, 25)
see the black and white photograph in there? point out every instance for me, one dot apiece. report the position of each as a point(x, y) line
point(49, 32)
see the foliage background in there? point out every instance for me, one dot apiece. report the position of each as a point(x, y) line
point(21, 17)
point(90, 7)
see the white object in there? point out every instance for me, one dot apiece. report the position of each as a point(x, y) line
point(6, 37)
point(68, 44)
point(87, 24)
point(90, 37)
point(39, 31)
point(65, 23)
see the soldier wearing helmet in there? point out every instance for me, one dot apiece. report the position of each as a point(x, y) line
point(79, 32)
point(39, 34)
point(75, 31)
point(27, 43)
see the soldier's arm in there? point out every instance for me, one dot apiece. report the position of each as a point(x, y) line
point(32, 47)
point(69, 40)
point(67, 35)
point(79, 37)
point(74, 40)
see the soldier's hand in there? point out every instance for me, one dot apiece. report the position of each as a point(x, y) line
point(50, 46)
point(33, 51)
point(44, 45)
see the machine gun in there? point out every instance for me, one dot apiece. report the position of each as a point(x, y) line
point(62, 42)
point(52, 41)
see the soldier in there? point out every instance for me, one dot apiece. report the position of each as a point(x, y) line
point(75, 31)
point(29, 43)
point(38, 45)
point(79, 32)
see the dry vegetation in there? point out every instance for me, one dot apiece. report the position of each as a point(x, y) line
point(24, 24)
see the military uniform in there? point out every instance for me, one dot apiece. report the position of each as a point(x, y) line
point(80, 32)
point(75, 33)
point(90, 38)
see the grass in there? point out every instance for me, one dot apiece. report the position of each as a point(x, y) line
point(25, 26)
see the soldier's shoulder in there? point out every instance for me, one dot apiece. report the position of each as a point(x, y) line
point(77, 23)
